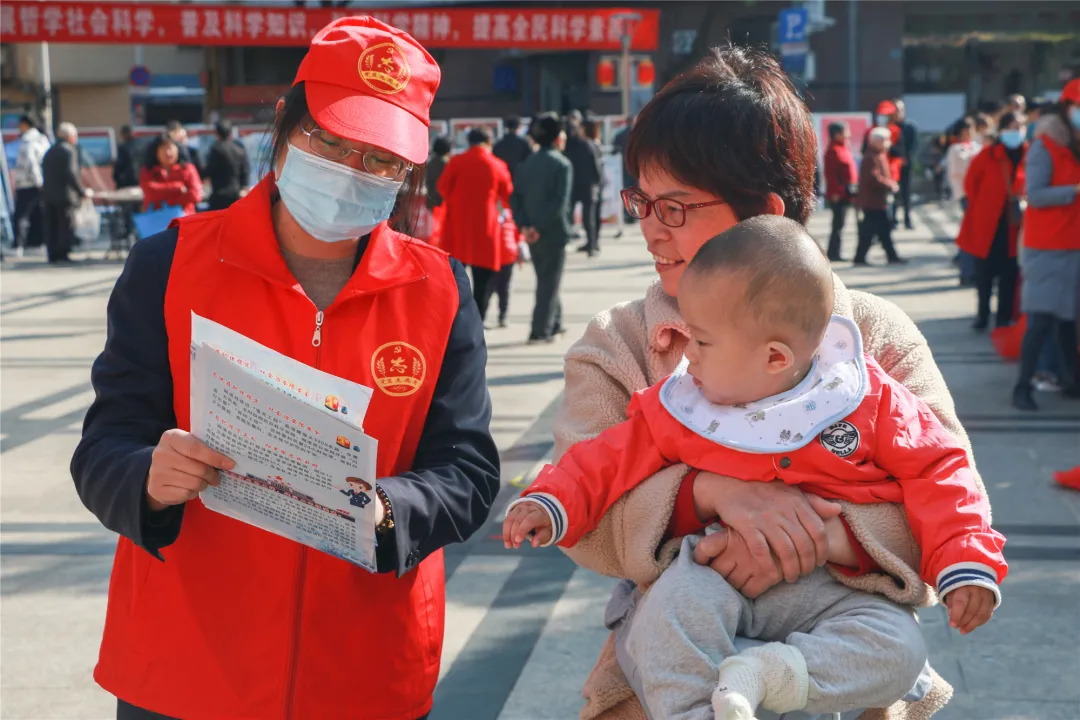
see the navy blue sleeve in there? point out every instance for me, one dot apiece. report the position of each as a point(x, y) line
point(133, 403)
point(447, 495)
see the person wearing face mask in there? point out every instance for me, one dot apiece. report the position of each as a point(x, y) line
point(1050, 294)
point(316, 263)
point(994, 187)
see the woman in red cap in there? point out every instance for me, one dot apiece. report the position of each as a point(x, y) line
point(1050, 293)
point(212, 618)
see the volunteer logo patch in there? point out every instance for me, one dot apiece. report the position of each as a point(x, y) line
point(384, 68)
point(841, 439)
point(398, 368)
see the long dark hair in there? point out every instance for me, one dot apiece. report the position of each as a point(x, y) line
point(410, 199)
point(734, 126)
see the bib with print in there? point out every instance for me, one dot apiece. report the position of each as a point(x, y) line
point(832, 390)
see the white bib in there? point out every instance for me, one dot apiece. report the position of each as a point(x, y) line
point(834, 387)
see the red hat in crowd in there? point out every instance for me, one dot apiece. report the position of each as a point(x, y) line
point(886, 107)
point(372, 83)
point(1072, 91)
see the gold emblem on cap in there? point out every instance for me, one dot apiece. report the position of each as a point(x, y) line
point(384, 69)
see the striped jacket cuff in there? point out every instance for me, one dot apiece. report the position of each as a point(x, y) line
point(968, 573)
point(555, 511)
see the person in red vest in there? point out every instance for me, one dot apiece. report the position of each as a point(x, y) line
point(209, 617)
point(472, 187)
point(994, 186)
point(1050, 260)
point(841, 178)
point(169, 180)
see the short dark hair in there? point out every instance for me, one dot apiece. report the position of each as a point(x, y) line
point(789, 281)
point(591, 129)
point(1011, 117)
point(441, 146)
point(545, 130)
point(31, 120)
point(125, 131)
point(511, 123)
point(964, 123)
point(733, 126)
point(478, 136)
point(173, 126)
point(156, 144)
point(224, 129)
point(836, 128)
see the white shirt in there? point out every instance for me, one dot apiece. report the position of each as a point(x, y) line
point(957, 160)
point(27, 171)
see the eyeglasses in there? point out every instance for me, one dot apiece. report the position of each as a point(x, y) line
point(670, 212)
point(380, 163)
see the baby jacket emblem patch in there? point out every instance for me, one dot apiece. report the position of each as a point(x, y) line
point(841, 438)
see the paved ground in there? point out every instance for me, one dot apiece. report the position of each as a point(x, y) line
point(523, 629)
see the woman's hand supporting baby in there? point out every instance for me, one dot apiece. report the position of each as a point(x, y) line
point(775, 531)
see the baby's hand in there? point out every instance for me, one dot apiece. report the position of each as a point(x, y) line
point(525, 518)
point(969, 607)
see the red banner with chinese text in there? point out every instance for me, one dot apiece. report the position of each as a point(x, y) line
point(160, 24)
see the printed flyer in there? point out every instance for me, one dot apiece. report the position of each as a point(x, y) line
point(301, 472)
point(339, 397)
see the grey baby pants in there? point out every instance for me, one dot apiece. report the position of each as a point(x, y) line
point(861, 650)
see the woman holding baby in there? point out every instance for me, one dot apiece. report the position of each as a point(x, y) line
point(726, 141)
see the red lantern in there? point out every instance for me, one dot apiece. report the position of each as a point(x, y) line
point(646, 72)
point(605, 74)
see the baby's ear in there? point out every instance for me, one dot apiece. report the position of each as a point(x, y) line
point(781, 358)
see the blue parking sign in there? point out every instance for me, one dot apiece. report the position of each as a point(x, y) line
point(793, 24)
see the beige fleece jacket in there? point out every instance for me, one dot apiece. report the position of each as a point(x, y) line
point(636, 344)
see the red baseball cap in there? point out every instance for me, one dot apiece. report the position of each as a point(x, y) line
point(1072, 91)
point(372, 83)
point(886, 107)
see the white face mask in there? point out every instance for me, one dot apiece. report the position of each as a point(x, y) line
point(331, 201)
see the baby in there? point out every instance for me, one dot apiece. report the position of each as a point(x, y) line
point(774, 387)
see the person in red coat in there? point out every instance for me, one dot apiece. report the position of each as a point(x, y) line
point(472, 186)
point(991, 225)
point(167, 180)
point(841, 176)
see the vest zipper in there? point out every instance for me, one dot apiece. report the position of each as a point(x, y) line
point(316, 342)
point(316, 339)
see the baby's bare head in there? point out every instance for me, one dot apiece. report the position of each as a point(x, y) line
point(770, 275)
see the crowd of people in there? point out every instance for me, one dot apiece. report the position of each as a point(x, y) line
point(514, 200)
point(1014, 172)
point(50, 187)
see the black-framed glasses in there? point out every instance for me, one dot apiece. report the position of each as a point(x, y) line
point(379, 163)
point(670, 212)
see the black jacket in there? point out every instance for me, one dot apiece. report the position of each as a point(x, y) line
point(512, 149)
point(126, 169)
point(541, 197)
point(587, 160)
point(442, 499)
point(227, 169)
point(60, 174)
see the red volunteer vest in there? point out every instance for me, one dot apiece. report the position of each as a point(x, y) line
point(240, 623)
point(988, 188)
point(1056, 228)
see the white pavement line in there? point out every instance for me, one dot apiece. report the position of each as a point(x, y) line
point(61, 408)
point(549, 687)
point(469, 595)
